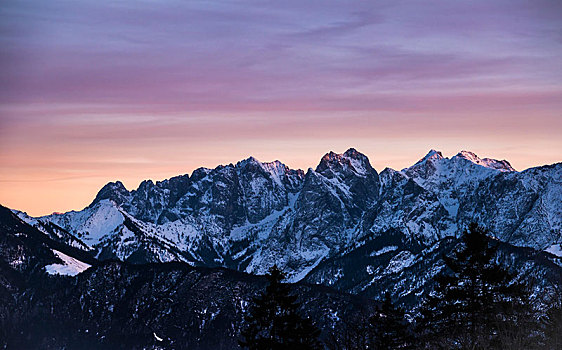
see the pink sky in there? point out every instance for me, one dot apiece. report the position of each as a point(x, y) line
point(92, 93)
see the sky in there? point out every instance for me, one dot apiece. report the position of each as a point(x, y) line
point(94, 91)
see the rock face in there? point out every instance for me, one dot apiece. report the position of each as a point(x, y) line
point(391, 263)
point(251, 215)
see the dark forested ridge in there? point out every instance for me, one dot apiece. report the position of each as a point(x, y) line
point(172, 305)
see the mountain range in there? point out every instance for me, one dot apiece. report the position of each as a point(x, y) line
point(176, 262)
point(251, 215)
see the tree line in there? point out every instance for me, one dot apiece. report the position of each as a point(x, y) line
point(475, 304)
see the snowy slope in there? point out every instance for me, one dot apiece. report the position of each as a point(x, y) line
point(69, 267)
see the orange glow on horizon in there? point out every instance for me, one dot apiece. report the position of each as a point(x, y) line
point(42, 173)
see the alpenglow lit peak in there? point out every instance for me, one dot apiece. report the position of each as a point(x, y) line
point(501, 165)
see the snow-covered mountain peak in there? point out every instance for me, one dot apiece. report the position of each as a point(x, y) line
point(276, 169)
point(354, 154)
point(349, 160)
point(501, 165)
point(330, 156)
point(434, 164)
point(200, 173)
point(250, 160)
point(274, 164)
point(359, 161)
point(281, 174)
point(432, 154)
point(114, 191)
point(92, 224)
point(468, 155)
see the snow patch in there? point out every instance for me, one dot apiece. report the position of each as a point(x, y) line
point(555, 249)
point(401, 261)
point(384, 250)
point(358, 166)
point(69, 267)
point(302, 274)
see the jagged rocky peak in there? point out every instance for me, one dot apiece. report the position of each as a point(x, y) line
point(279, 173)
point(265, 187)
point(251, 164)
point(114, 191)
point(427, 166)
point(347, 179)
point(468, 155)
point(174, 181)
point(350, 160)
point(199, 174)
point(501, 165)
point(432, 154)
point(177, 186)
point(388, 176)
point(145, 185)
point(251, 160)
point(274, 166)
point(291, 178)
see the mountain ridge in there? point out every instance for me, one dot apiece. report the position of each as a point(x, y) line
point(485, 162)
point(251, 215)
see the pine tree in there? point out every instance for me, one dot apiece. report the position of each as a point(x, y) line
point(391, 329)
point(476, 304)
point(352, 332)
point(273, 322)
point(552, 326)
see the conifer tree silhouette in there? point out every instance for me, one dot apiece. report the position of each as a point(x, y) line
point(552, 325)
point(476, 303)
point(390, 327)
point(273, 321)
